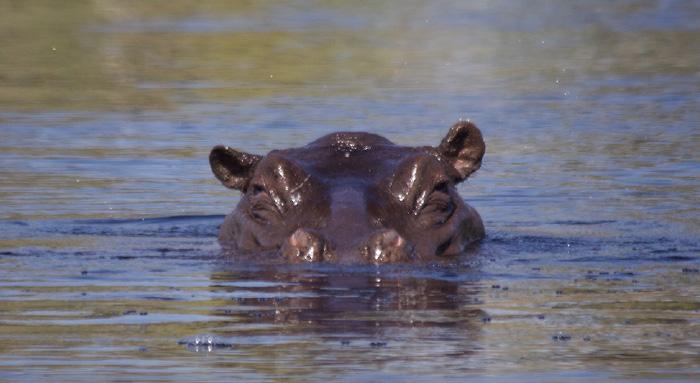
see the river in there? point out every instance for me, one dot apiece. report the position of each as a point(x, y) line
point(590, 190)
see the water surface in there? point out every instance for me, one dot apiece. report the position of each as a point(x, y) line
point(109, 266)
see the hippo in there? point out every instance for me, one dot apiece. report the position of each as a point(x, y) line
point(353, 197)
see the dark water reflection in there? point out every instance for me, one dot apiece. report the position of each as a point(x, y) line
point(589, 190)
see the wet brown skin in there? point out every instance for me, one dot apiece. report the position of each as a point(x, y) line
point(353, 197)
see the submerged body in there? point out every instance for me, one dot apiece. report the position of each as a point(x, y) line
point(353, 196)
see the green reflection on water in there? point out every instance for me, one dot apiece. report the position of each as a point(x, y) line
point(101, 55)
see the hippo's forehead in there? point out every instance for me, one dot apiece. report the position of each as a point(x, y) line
point(361, 156)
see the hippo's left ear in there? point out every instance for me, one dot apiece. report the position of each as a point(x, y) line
point(464, 148)
point(233, 168)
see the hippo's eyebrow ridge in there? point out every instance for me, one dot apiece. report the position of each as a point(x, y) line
point(301, 184)
point(293, 195)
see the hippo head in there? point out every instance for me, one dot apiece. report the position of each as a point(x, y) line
point(350, 197)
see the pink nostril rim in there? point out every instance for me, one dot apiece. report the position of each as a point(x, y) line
point(305, 246)
point(391, 238)
point(387, 246)
point(299, 238)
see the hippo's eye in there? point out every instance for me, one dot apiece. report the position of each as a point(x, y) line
point(257, 189)
point(442, 187)
point(439, 206)
point(262, 209)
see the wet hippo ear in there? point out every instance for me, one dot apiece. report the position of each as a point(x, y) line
point(464, 148)
point(233, 168)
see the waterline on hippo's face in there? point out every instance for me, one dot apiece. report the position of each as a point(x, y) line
point(353, 197)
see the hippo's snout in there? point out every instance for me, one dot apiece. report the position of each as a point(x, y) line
point(387, 246)
point(306, 246)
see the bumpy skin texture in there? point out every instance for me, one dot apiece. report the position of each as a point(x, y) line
point(353, 197)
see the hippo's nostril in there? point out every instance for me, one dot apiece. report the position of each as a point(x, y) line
point(305, 246)
point(386, 247)
point(392, 239)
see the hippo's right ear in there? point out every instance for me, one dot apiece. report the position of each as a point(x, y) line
point(233, 168)
point(464, 148)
